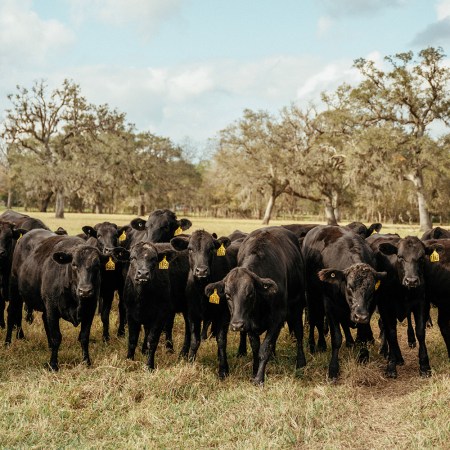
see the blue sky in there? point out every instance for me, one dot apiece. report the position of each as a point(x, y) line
point(187, 68)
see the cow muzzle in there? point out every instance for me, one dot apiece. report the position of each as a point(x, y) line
point(201, 272)
point(362, 317)
point(237, 325)
point(411, 282)
point(85, 292)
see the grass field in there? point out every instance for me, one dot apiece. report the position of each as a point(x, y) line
point(118, 404)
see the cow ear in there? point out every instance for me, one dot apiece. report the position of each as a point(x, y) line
point(267, 287)
point(62, 257)
point(169, 254)
point(184, 224)
point(436, 233)
point(300, 241)
point(429, 249)
point(388, 249)
point(226, 242)
point(18, 233)
point(138, 224)
point(120, 254)
point(180, 242)
point(60, 231)
point(214, 235)
point(219, 285)
point(89, 231)
point(331, 276)
point(374, 228)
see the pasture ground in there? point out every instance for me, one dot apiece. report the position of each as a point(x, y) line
point(118, 404)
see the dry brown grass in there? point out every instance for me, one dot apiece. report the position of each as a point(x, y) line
point(118, 404)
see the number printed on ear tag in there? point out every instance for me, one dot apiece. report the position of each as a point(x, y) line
point(164, 264)
point(434, 257)
point(221, 250)
point(110, 264)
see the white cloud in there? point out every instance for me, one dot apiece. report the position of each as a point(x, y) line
point(339, 8)
point(443, 9)
point(324, 24)
point(27, 39)
point(145, 15)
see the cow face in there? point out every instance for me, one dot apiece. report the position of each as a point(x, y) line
point(161, 226)
point(8, 237)
point(243, 289)
point(202, 248)
point(359, 283)
point(107, 235)
point(144, 262)
point(410, 254)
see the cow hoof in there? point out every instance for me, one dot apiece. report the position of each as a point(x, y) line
point(150, 369)
point(322, 347)
point(223, 375)
point(120, 333)
point(400, 362)
point(258, 382)
point(106, 339)
point(412, 344)
point(391, 373)
point(363, 356)
point(51, 367)
point(170, 350)
point(241, 354)
point(425, 372)
point(349, 344)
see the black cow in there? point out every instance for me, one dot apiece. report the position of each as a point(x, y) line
point(210, 259)
point(161, 226)
point(363, 230)
point(344, 263)
point(265, 290)
point(22, 220)
point(107, 236)
point(147, 295)
point(59, 276)
point(436, 233)
point(403, 292)
point(437, 285)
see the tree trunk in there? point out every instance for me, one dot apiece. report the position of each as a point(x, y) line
point(329, 214)
point(424, 216)
point(141, 211)
point(269, 208)
point(45, 202)
point(59, 205)
point(9, 201)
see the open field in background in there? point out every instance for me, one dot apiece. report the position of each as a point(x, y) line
point(118, 404)
point(73, 223)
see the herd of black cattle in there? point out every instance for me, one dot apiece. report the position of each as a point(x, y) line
point(253, 283)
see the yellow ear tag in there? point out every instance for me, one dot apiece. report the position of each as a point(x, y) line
point(110, 264)
point(221, 250)
point(20, 235)
point(164, 264)
point(377, 284)
point(374, 232)
point(178, 231)
point(214, 297)
point(434, 257)
point(123, 236)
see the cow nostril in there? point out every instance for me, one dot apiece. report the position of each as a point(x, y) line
point(85, 292)
point(237, 325)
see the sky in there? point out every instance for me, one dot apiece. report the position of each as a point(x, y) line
point(185, 69)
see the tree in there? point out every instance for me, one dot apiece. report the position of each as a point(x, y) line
point(52, 128)
point(411, 97)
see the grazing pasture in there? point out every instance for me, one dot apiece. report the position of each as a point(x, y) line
point(118, 403)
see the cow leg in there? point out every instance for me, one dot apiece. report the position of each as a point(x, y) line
point(144, 349)
point(154, 335)
point(296, 320)
point(195, 326)
point(349, 341)
point(221, 338)
point(255, 343)
point(2, 311)
point(336, 342)
point(364, 335)
point(410, 332)
point(134, 329)
point(394, 354)
point(265, 351)
point(168, 328)
point(47, 331)
point(187, 336)
point(205, 326)
point(54, 337)
point(85, 331)
point(383, 341)
point(242, 349)
point(122, 316)
point(444, 325)
point(14, 309)
point(420, 316)
point(107, 298)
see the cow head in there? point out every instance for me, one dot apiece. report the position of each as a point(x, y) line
point(410, 254)
point(144, 261)
point(161, 226)
point(202, 248)
point(107, 235)
point(359, 283)
point(362, 230)
point(8, 238)
point(243, 289)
